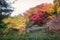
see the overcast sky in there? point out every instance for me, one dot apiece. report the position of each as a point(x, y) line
point(22, 5)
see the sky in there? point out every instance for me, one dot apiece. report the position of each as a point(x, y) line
point(20, 6)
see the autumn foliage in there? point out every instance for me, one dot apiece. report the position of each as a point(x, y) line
point(42, 14)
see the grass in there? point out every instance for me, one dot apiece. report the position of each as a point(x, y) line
point(32, 36)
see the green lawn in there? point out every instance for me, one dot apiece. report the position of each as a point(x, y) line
point(32, 36)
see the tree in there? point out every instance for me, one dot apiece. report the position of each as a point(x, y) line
point(5, 11)
point(57, 3)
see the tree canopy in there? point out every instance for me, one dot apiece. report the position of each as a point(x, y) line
point(5, 11)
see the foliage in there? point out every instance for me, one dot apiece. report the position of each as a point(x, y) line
point(5, 11)
point(54, 24)
point(42, 14)
point(39, 18)
point(16, 22)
